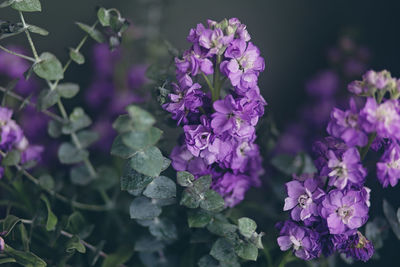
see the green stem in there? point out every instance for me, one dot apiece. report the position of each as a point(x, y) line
point(28, 35)
point(288, 257)
point(217, 83)
point(365, 149)
point(208, 82)
point(17, 54)
point(267, 256)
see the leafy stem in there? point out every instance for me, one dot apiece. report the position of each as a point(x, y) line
point(288, 257)
point(17, 54)
point(60, 197)
point(28, 35)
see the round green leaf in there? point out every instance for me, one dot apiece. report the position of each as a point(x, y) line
point(49, 67)
point(93, 33)
point(27, 5)
point(76, 56)
point(104, 16)
point(212, 201)
point(247, 251)
point(223, 250)
point(198, 218)
point(141, 119)
point(119, 149)
point(148, 161)
point(69, 154)
point(67, 90)
point(247, 226)
point(185, 178)
point(142, 139)
point(37, 30)
point(46, 99)
point(132, 180)
point(160, 188)
point(142, 208)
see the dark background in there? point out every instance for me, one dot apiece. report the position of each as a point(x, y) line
point(293, 37)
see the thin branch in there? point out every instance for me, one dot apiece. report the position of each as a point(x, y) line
point(21, 99)
point(17, 54)
point(28, 35)
point(60, 197)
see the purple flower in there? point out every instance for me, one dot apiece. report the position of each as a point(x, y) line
point(346, 169)
point(183, 160)
point(324, 84)
point(304, 242)
point(32, 153)
point(388, 167)
point(344, 211)
point(137, 76)
point(346, 126)
point(377, 79)
point(302, 198)
point(187, 97)
point(198, 137)
point(357, 247)
point(10, 132)
point(232, 187)
point(384, 118)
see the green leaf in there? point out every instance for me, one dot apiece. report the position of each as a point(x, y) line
point(119, 149)
point(287, 164)
point(69, 154)
point(142, 120)
point(166, 163)
point(164, 229)
point(160, 188)
point(9, 223)
point(207, 261)
point(148, 161)
point(132, 180)
point(95, 34)
point(12, 158)
point(247, 251)
point(51, 217)
point(27, 259)
point(122, 255)
point(76, 56)
point(398, 215)
point(123, 124)
point(24, 236)
point(77, 225)
point(49, 67)
point(77, 121)
point(7, 260)
point(106, 178)
point(27, 5)
point(67, 90)
point(223, 250)
point(247, 226)
point(202, 184)
point(104, 16)
point(222, 228)
point(185, 178)
point(46, 181)
point(142, 208)
point(212, 201)
point(142, 139)
point(37, 30)
point(87, 137)
point(376, 231)
point(6, 3)
point(54, 129)
point(198, 218)
point(75, 244)
point(80, 175)
point(47, 98)
point(390, 215)
point(148, 244)
point(190, 199)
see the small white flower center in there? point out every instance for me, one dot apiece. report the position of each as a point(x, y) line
point(296, 243)
point(345, 213)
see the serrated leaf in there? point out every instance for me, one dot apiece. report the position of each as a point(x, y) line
point(9, 223)
point(212, 201)
point(75, 244)
point(161, 188)
point(132, 180)
point(27, 5)
point(142, 139)
point(93, 33)
point(122, 255)
point(12, 158)
point(37, 30)
point(198, 218)
point(69, 154)
point(49, 67)
point(247, 226)
point(185, 178)
point(141, 119)
point(76, 56)
point(77, 121)
point(142, 208)
point(223, 250)
point(67, 90)
point(390, 215)
point(104, 16)
point(87, 137)
point(80, 175)
point(46, 99)
point(27, 259)
point(51, 217)
point(247, 251)
point(148, 161)
point(119, 149)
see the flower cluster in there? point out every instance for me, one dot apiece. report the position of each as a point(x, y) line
point(12, 138)
point(329, 207)
point(219, 133)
